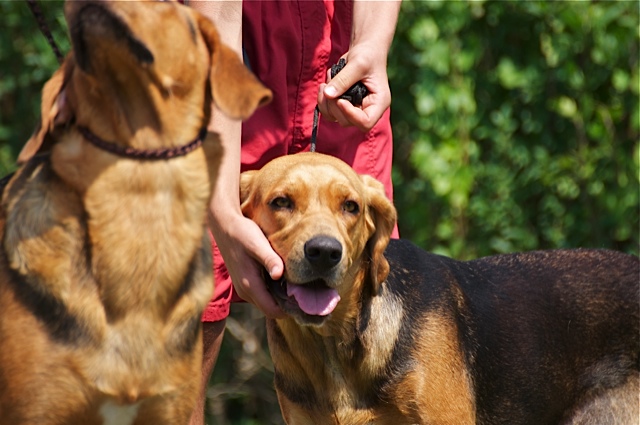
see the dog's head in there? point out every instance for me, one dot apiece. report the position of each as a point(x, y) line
point(329, 225)
point(150, 66)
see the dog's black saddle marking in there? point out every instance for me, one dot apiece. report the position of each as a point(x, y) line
point(62, 325)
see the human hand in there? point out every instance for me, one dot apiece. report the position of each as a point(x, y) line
point(246, 253)
point(365, 64)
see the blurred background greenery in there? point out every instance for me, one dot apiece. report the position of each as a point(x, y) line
point(516, 127)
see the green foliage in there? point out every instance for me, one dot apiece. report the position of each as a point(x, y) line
point(26, 62)
point(516, 125)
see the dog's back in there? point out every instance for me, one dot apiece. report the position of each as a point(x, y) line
point(548, 337)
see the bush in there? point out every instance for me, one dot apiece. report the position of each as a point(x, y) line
point(26, 63)
point(516, 125)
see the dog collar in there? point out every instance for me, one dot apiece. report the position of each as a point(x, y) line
point(146, 154)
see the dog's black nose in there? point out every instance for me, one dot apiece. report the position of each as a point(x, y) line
point(323, 252)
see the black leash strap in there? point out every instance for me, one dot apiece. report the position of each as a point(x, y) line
point(355, 94)
point(44, 28)
point(314, 131)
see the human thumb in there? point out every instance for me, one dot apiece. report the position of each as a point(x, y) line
point(342, 81)
point(355, 93)
point(272, 263)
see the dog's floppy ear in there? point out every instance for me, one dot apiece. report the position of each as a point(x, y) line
point(235, 90)
point(381, 220)
point(54, 110)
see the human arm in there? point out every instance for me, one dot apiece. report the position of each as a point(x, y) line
point(374, 24)
point(244, 247)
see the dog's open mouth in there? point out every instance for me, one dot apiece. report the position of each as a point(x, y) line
point(313, 298)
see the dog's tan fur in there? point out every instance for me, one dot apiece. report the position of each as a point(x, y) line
point(105, 265)
point(320, 357)
point(541, 338)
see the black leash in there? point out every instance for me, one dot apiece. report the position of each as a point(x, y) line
point(314, 131)
point(355, 94)
point(44, 28)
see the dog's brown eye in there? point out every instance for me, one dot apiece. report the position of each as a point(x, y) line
point(281, 202)
point(351, 207)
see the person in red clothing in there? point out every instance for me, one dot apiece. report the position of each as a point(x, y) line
point(290, 46)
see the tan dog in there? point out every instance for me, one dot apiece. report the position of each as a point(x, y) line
point(406, 337)
point(105, 265)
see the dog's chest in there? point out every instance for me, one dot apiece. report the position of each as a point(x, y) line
point(353, 383)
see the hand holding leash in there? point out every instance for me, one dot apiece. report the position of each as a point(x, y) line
point(356, 93)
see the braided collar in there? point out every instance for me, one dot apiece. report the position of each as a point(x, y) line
point(144, 154)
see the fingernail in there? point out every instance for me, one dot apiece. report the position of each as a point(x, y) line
point(330, 91)
point(271, 272)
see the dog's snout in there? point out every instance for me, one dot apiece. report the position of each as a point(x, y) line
point(100, 21)
point(323, 252)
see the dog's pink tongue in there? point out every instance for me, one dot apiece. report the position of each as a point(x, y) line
point(314, 301)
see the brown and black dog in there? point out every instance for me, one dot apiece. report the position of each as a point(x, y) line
point(105, 262)
point(382, 332)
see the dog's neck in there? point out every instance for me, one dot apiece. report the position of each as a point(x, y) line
point(145, 219)
point(356, 341)
point(134, 113)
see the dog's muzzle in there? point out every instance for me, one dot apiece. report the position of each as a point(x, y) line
point(310, 303)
